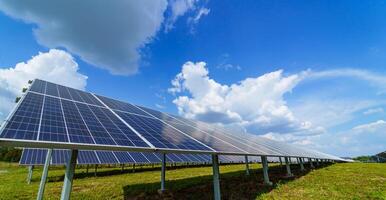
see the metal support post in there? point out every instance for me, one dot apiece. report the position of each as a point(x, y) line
point(281, 162)
point(163, 163)
point(311, 164)
point(301, 164)
point(96, 170)
point(287, 164)
point(246, 165)
point(69, 175)
point(264, 162)
point(43, 180)
point(317, 162)
point(216, 177)
point(30, 173)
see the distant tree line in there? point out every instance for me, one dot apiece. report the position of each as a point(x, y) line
point(10, 154)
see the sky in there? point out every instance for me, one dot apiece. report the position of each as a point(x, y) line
point(311, 73)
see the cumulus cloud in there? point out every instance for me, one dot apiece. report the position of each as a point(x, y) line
point(106, 34)
point(257, 104)
point(56, 65)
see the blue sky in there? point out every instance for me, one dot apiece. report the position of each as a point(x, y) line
point(318, 67)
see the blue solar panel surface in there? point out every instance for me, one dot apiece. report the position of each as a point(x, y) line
point(66, 116)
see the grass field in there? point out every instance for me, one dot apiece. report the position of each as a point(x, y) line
point(337, 181)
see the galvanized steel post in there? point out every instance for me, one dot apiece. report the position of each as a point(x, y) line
point(264, 162)
point(216, 177)
point(246, 165)
point(289, 174)
point(69, 175)
point(30, 173)
point(43, 180)
point(163, 166)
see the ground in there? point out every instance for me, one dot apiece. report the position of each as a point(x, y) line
point(336, 181)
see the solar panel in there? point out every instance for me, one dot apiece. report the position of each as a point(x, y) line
point(25, 122)
point(52, 127)
point(159, 134)
point(55, 116)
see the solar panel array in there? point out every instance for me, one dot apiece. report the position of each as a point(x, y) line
point(55, 116)
point(61, 156)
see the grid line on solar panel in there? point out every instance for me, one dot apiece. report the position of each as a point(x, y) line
point(98, 132)
point(160, 134)
point(106, 157)
point(38, 86)
point(122, 106)
point(64, 118)
point(234, 139)
point(24, 123)
point(246, 141)
point(68, 93)
point(52, 89)
point(88, 157)
point(124, 126)
point(205, 137)
point(61, 156)
point(41, 114)
point(110, 122)
point(77, 130)
point(52, 127)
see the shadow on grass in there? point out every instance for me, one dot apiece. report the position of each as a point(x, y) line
point(110, 171)
point(234, 185)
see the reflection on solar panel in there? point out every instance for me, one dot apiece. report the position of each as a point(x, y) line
point(60, 157)
point(59, 117)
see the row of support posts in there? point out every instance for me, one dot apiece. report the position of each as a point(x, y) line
point(70, 170)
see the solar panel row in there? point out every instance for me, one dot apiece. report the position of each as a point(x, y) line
point(57, 114)
point(60, 157)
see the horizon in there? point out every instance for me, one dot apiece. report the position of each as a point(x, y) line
point(305, 73)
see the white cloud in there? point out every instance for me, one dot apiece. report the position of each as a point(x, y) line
point(56, 65)
point(107, 34)
point(377, 126)
point(257, 104)
point(373, 111)
point(200, 13)
point(375, 79)
point(365, 139)
point(178, 8)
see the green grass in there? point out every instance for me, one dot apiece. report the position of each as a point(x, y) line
point(338, 181)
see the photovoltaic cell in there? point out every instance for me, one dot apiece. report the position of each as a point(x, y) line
point(60, 156)
point(63, 92)
point(88, 98)
point(160, 134)
point(106, 157)
point(33, 156)
point(124, 157)
point(114, 131)
point(139, 157)
point(38, 86)
point(24, 124)
point(52, 125)
point(63, 115)
point(122, 106)
point(77, 130)
point(87, 157)
point(98, 132)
